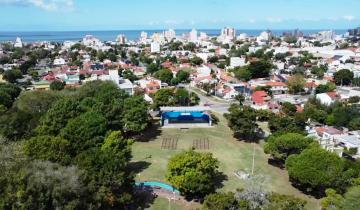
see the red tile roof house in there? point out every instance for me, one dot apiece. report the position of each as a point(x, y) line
point(260, 100)
point(277, 88)
point(328, 98)
point(326, 138)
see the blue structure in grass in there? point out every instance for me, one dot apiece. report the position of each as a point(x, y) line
point(159, 185)
point(185, 115)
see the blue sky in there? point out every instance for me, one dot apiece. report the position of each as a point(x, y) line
point(19, 15)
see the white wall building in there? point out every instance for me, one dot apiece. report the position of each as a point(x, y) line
point(193, 35)
point(264, 36)
point(59, 62)
point(155, 47)
point(325, 36)
point(170, 34)
point(121, 39)
point(18, 42)
point(237, 62)
point(143, 37)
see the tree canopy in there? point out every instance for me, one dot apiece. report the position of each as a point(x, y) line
point(165, 75)
point(242, 120)
point(343, 77)
point(316, 169)
point(193, 173)
point(282, 146)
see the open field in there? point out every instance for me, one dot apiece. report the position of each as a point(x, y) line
point(151, 160)
point(163, 204)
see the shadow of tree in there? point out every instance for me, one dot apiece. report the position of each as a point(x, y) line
point(276, 163)
point(144, 197)
point(138, 166)
point(219, 180)
point(150, 134)
point(247, 139)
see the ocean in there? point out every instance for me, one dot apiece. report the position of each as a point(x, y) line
point(60, 36)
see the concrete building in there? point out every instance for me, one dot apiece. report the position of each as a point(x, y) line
point(327, 98)
point(121, 39)
point(237, 62)
point(325, 36)
point(143, 37)
point(18, 43)
point(193, 37)
point(155, 47)
point(170, 34)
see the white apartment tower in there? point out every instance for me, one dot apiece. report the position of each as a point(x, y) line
point(121, 39)
point(143, 36)
point(228, 33)
point(155, 47)
point(170, 34)
point(18, 42)
point(194, 35)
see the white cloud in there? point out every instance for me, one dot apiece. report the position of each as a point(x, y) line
point(349, 17)
point(48, 5)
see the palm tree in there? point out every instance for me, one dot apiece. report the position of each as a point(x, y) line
point(240, 98)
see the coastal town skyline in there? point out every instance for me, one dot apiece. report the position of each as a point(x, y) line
point(44, 15)
point(179, 105)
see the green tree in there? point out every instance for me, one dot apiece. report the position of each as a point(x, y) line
point(352, 199)
point(196, 61)
point(12, 75)
point(296, 84)
point(242, 120)
point(193, 173)
point(332, 201)
point(243, 73)
point(182, 97)
point(288, 108)
point(240, 98)
point(182, 76)
point(260, 69)
point(57, 117)
point(48, 148)
point(282, 146)
point(110, 183)
point(343, 77)
point(127, 74)
point(135, 118)
point(84, 131)
point(286, 124)
point(152, 68)
point(164, 97)
point(221, 201)
point(316, 169)
point(284, 202)
point(57, 85)
point(190, 46)
point(355, 124)
point(354, 99)
point(165, 75)
point(42, 185)
point(194, 99)
point(329, 87)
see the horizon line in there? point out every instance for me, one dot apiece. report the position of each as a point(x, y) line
point(180, 29)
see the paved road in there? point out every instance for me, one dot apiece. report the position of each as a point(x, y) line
point(216, 106)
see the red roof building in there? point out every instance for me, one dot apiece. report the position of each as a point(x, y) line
point(259, 97)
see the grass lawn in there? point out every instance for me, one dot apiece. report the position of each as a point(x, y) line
point(233, 156)
point(163, 204)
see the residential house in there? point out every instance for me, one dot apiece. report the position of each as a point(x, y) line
point(327, 98)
